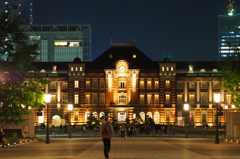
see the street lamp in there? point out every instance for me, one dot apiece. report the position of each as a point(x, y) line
point(186, 109)
point(70, 107)
point(47, 99)
point(217, 100)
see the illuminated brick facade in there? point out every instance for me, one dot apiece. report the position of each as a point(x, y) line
point(124, 82)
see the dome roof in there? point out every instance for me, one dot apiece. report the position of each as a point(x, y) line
point(167, 59)
point(77, 60)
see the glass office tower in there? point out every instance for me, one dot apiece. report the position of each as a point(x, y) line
point(60, 43)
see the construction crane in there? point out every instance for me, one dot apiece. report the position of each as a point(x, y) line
point(230, 7)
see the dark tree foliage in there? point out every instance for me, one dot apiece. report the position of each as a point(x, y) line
point(230, 75)
point(18, 91)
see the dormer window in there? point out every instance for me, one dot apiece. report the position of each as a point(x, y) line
point(214, 70)
point(203, 70)
point(42, 71)
point(134, 56)
point(110, 56)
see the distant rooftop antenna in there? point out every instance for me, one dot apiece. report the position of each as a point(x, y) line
point(230, 7)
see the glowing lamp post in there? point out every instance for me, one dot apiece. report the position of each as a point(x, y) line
point(70, 107)
point(186, 109)
point(217, 100)
point(47, 99)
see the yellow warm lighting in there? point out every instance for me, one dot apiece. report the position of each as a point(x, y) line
point(70, 107)
point(47, 98)
point(217, 98)
point(186, 107)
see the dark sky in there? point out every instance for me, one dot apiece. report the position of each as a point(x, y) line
point(186, 30)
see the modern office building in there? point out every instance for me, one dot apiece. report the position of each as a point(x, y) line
point(24, 8)
point(228, 33)
point(60, 42)
point(125, 83)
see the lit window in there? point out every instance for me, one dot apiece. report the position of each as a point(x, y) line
point(149, 99)
point(75, 98)
point(80, 68)
point(156, 84)
point(76, 68)
point(87, 99)
point(163, 69)
point(122, 99)
point(191, 85)
point(228, 99)
point(88, 84)
point(122, 84)
point(71, 68)
point(179, 99)
point(167, 84)
point(76, 84)
point(156, 99)
point(142, 99)
point(134, 56)
point(142, 84)
point(149, 84)
point(167, 99)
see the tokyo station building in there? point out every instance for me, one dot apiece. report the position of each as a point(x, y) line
point(124, 82)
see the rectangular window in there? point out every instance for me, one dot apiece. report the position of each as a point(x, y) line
point(122, 84)
point(75, 98)
point(171, 68)
point(87, 99)
point(94, 99)
point(167, 115)
point(179, 85)
point(191, 85)
point(167, 99)
point(122, 99)
point(156, 84)
point(102, 84)
point(76, 68)
point(65, 98)
point(216, 85)
point(142, 84)
point(149, 99)
point(167, 84)
point(156, 99)
point(87, 84)
point(179, 99)
point(228, 99)
point(203, 99)
point(53, 85)
point(65, 85)
point(204, 85)
point(191, 99)
point(76, 84)
point(204, 117)
point(53, 99)
point(95, 84)
point(167, 69)
point(80, 68)
point(102, 99)
point(163, 69)
point(71, 68)
point(149, 84)
point(76, 115)
point(142, 99)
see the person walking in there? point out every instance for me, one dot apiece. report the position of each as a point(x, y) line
point(3, 139)
point(106, 134)
point(123, 129)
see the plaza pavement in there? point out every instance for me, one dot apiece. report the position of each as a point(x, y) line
point(135, 148)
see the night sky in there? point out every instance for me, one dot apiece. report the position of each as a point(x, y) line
point(186, 30)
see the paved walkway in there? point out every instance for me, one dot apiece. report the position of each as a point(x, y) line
point(135, 148)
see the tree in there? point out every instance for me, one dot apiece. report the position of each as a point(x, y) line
point(230, 75)
point(18, 92)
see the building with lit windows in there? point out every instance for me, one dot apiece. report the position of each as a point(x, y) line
point(228, 33)
point(60, 43)
point(24, 8)
point(124, 82)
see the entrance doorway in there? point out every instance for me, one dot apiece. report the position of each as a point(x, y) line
point(121, 118)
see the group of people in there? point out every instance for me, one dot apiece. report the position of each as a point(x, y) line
point(3, 140)
point(126, 131)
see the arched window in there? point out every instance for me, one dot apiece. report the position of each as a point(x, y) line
point(142, 115)
point(156, 118)
point(149, 114)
